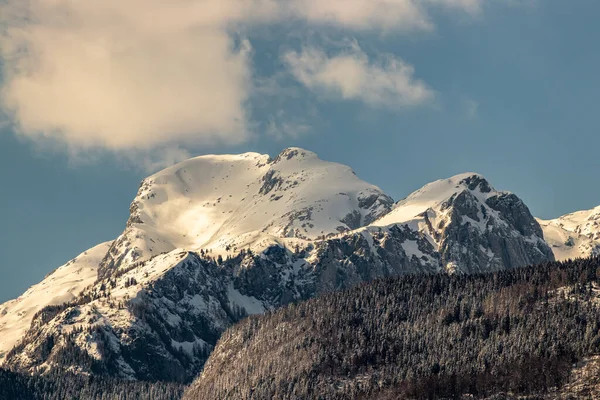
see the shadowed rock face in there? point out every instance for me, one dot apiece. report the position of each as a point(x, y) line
point(511, 238)
point(477, 182)
point(516, 213)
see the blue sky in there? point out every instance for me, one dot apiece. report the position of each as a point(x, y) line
point(509, 89)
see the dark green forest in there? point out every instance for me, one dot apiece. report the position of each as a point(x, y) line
point(435, 336)
point(15, 386)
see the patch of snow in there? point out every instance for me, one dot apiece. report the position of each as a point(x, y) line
point(251, 304)
point(411, 247)
point(189, 347)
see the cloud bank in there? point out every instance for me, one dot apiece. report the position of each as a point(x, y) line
point(139, 74)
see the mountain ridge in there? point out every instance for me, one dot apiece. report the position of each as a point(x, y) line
point(216, 238)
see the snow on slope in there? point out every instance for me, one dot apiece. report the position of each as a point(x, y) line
point(430, 208)
point(225, 203)
point(574, 235)
point(60, 286)
point(186, 295)
point(434, 195)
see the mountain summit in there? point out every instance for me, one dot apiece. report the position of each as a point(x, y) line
point(230, 202)
point(215, 238)
point(474, 227)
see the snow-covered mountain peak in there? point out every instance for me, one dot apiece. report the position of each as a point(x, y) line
point(217, 237)
point(443, 189)
point(438, 195)
point(473, 181)
point(295, 154)
point(466, 219)
point(228, 202)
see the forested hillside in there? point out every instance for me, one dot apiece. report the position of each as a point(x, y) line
point(15, 386)
point(517, 331)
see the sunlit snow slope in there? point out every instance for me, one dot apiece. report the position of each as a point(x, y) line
point(229, 202)
point(434, 195)
point(60, 286)
point(574, 235)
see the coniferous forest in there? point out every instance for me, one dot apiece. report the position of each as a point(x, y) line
point(15, 386)
point(518, 331)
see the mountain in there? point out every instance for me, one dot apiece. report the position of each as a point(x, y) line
point(216, 238)
point(474, 227)
point(517, 332)
point(574, 235)
point(230, 202)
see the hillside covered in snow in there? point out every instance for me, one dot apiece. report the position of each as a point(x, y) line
point(60, 286)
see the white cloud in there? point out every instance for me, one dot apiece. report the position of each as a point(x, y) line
point(141, 74)
point(350, 75)
point(128, 73)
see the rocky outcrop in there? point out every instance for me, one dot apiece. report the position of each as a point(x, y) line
point(477, 240)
